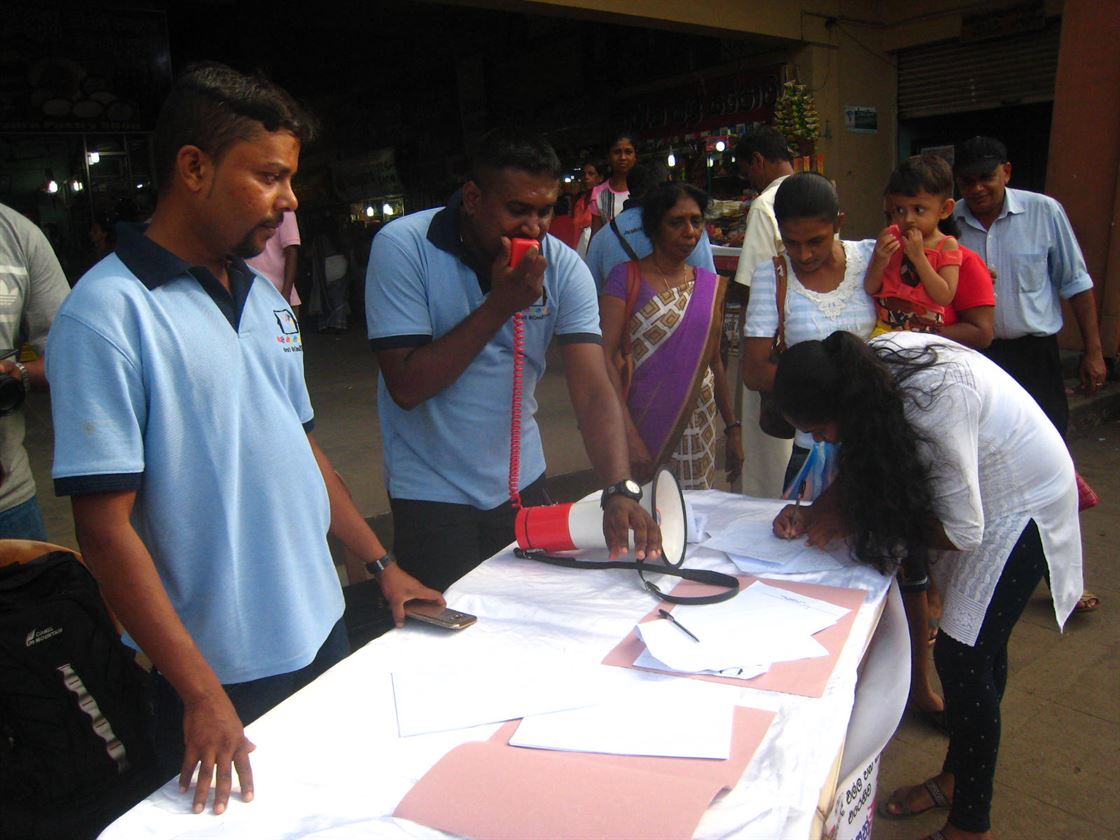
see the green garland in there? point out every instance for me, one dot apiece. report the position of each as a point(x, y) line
point(795, 115)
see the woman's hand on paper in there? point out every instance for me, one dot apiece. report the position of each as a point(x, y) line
point(789, 524)
point(820, 524)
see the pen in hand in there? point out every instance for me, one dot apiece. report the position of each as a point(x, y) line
point(797, 504)
point(668, 616)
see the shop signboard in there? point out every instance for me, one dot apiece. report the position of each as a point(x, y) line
point(75, 67)
point(371, 174)
point(701, 105)
point(861, 119)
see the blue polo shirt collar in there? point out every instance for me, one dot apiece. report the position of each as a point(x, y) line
point(444, 232)
point(155, 266)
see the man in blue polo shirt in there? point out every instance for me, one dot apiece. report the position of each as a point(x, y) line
point(440, 304)
point(182, 432)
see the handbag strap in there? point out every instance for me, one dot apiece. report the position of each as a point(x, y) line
point(633, 288)
point(626, 246)
point(705, 576)
point(781, 282)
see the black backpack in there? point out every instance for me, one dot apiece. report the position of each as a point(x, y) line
point(74, 746)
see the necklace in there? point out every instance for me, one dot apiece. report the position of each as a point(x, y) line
point(671, 279)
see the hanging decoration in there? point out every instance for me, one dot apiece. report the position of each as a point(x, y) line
point(795, 115)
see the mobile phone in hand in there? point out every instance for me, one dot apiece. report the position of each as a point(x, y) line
point(438, 615)
point(518, 247)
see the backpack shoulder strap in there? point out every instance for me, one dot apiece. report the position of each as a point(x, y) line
point(622, 240)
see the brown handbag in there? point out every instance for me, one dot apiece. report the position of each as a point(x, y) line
point(770, 418)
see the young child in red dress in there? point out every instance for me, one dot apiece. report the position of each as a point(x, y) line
point(914, 271)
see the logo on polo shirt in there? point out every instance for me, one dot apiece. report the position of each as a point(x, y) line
point(538, 310)
point(289, 337)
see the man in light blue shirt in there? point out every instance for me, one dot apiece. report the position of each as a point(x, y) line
point(1027, 238)
point(441, 304)
point(182, 428)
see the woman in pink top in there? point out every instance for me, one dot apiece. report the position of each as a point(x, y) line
point(607, 198)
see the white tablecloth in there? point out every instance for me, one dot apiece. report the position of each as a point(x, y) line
point(329, 762)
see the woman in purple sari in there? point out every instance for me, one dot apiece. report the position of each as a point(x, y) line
point(669, 315)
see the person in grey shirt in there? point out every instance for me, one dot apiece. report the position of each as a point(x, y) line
point(32, 287)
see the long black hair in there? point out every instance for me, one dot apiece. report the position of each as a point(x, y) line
point(883, 484)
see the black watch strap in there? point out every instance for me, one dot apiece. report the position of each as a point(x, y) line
point(378, 566)
point(628, 488)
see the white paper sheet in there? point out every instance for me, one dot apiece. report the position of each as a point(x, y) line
point(739, 672)
point(761, 625)
point(440, 699)
point(669, 719)
point(750, 543)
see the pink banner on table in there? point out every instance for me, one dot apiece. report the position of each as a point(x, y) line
point(492, 791)
point(807, 677)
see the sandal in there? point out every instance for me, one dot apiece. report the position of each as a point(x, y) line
point(1087, 603)
point(904, 810)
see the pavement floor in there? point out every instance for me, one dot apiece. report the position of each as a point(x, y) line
point(1058, 770)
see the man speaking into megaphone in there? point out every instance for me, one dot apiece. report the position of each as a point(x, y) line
point(449, 316)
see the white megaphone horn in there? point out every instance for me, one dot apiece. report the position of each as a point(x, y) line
point(578, 525)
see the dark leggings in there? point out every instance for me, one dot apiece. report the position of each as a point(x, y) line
point(974, 679)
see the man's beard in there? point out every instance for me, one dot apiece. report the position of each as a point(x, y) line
point(248, 248)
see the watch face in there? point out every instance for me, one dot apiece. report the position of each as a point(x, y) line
point(632, 487)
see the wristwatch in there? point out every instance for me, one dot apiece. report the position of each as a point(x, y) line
point(24, 377)
point(378, 566)
point(628, 488)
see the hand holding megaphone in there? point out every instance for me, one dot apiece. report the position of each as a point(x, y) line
point(658, 522)
point(621, 515)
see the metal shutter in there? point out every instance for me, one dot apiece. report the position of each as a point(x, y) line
point(952, 77)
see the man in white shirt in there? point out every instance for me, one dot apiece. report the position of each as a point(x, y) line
point(764, 160)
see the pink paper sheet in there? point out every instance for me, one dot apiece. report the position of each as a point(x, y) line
point(807, 677)
point(492, 791)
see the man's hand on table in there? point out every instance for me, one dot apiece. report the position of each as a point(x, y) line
point(215, 741)
point(399, 587)
point(621, 515)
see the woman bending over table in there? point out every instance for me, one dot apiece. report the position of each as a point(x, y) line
point(943, 455)
point(672, 316)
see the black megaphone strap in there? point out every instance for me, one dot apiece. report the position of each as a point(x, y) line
point(729, 583)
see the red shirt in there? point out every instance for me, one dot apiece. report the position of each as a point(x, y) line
point(975, 286)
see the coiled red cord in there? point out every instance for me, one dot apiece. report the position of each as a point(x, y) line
point(515, 410)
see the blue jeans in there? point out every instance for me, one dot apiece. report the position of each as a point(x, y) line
point(250, 699)
point(23, 522)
